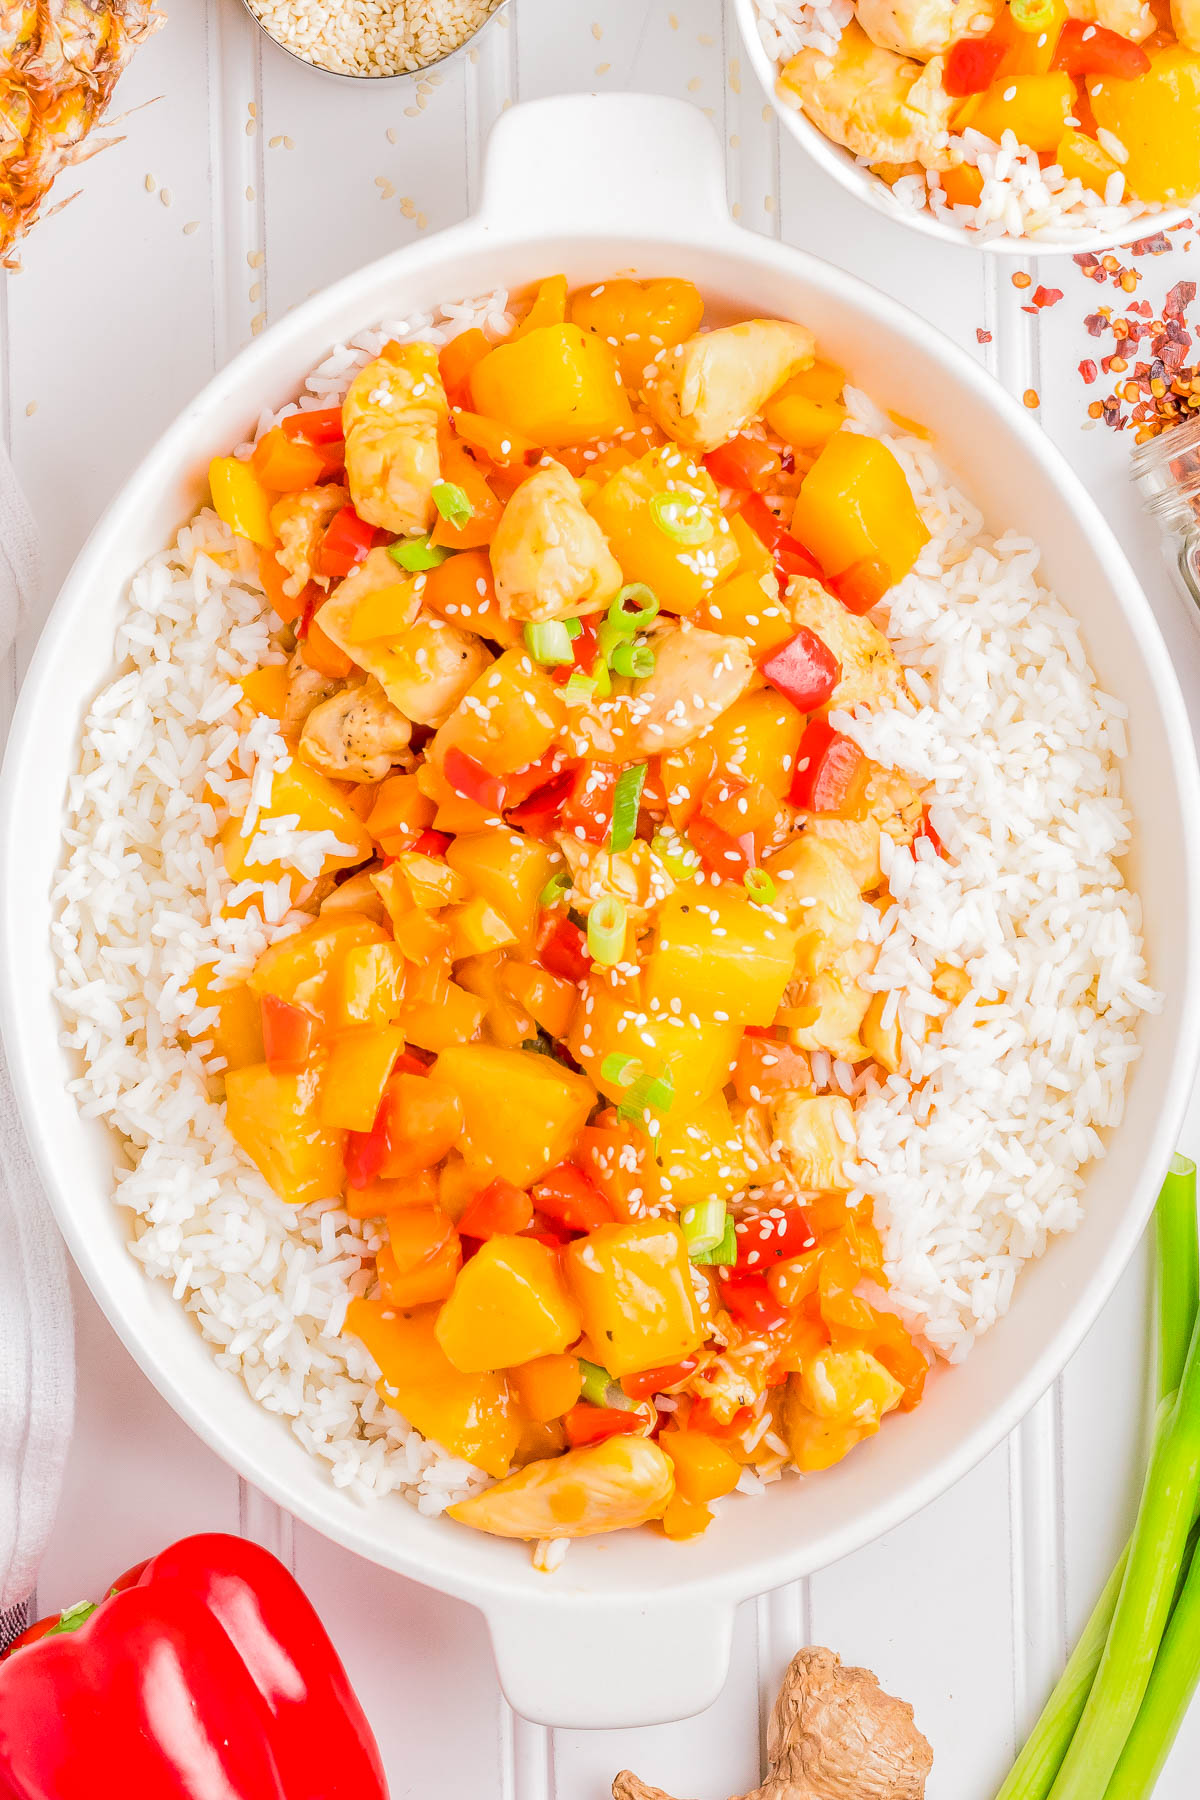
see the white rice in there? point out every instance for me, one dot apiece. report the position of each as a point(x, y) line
point(1019, 198)
point(970, 1175)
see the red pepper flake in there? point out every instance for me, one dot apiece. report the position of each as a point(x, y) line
point(1022, 280)
point(1044, 296)
point(1088, 370)
point(982, 336)
point(1179, 299)
point(1030, 397)
point(1151, 246)
point(1095, 323)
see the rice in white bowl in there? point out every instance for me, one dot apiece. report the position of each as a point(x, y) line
point(1019, 198)
point(970, 1174)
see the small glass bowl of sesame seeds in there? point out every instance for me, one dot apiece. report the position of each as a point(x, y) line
point(372, 39)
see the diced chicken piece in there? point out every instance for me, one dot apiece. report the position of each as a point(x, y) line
point(355, 735)
point(1130, 18)
point(375, 573)
point(306, 689)
point(602, 1487)
point(392, 415)
point(815, 1443)
point(892, 805)
point(818, 1139)
point(425, 669)
point(734, 1379)
point(819, 896)
point(1185, 17)
point(870, 673)
point(550, 559)
point(299, 521)
point(697, 675)
point(881, 106)
point(708, 388)
point(596, 872)
point(924, 28)
point(840, 1003)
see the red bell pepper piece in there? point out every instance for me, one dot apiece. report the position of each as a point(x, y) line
point(727, 857)
point(584, 648)
point(540, 811)
point(971, 66)
point(926, 830)
point(566, 1197)
point(862, 585)
point(805, 670)
point(289, 1035)
point(791, 558)
point(588, 807)
point(366, 1152)
point(346, 542)
point(649, 1382)
point(210, 1677)
point(432, 843)
point(772, 1237)
point(318, 426)
point(744, 462)
point(1084, 49)
point(587, 1424)
point(562, 948)
point(468, 777)
point(830, 771)
point(499, 1208)
point(749, 1300)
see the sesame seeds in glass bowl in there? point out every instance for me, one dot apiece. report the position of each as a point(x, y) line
point(371, 38)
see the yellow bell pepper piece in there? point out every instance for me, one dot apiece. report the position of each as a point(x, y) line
point(355, 1076)
point(551, 1000)
point(639, 318)
point(700, 1155)
point(237, 1034)
point(855, 504)
point(615, 1021)
point(556, 385)
point(509, 1305)
point(366, 986)
point(549, 306)
point(521, 1111)
point(1035, 107)
point(475, 928)
point(880, 1040)
point(385, 612)
point(823, 382)
point(1082, 158)
point(681, 573)
point(509, 871)
point(267, 689)
point(240, 499)
point(720, 956)
point(753, 556)
point(472, 1416)
point(275, 1120)
point(758, 738)
point(633, 1287)
point(1157, 119)
point(548, 1386)
point(704, 1469)
point(748, 606)
point(298, 968)
point(436, 1024)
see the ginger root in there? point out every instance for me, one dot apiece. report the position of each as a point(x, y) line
point(834, 1735)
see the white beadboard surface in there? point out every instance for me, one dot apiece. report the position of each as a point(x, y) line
point(243, 183)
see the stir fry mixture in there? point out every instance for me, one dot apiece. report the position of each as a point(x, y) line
point(565, 624)
point(1106, 91)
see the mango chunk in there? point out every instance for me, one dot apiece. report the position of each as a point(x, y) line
point(521, 1111)
point(633, 1286)
point(555, 385)
point(718, 956)
point(275, 1120)
point(855, 505)
point(509, 1305)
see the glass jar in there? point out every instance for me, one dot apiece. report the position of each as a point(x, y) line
point(1167, 470)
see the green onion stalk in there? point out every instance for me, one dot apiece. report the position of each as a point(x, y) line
point(1033, 1775)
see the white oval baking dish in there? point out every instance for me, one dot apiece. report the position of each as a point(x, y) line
point(851, 175)
point(632, 1630)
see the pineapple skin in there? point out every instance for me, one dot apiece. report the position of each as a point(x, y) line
point(59, 63)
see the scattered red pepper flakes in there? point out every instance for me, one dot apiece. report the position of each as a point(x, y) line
point(1022, 280)
point(1044, 296)
point(1031, 398)
point(1088, 370)
point(1153, 361)
point(982, 336)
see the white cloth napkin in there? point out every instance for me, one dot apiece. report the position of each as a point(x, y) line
point(37, 1349)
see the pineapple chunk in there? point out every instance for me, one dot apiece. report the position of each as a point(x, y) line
point(849, 1384)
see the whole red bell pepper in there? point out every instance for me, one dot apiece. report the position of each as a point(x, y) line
point(205, 1674)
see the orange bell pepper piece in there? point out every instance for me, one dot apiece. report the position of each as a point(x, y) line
point(461, 469)
point(456, 359)
point(549, 305)
point(380, 1197)
point(432, 1281)
point(285, 464)
point(322, 654)
point(417, 1236)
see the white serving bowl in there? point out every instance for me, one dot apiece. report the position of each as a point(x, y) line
point(860, 182)
point(633, 1629)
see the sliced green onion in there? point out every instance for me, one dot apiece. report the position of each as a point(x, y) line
point(682, 516)
point(606, 930)
point(623, 1070)
point(579, 688)
point(1032, 15)
point(703, 1226)
point(675, 854)
point(549, 642)
point(451, 501)
point(554, 889)
point(759, 886)
point(634, 660)
point(722, 1255)
point(596, 1382)
point(649, 1093)
point(627, 798)
point(418, 553)
point(572, 627)
point(645, 607)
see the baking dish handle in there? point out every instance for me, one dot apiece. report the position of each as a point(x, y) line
point(629, 163)
point(585, 1664)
